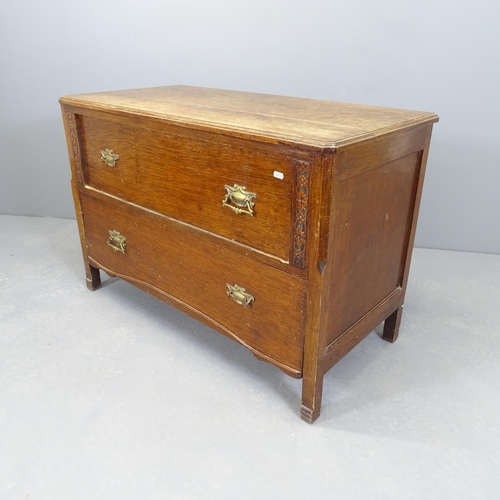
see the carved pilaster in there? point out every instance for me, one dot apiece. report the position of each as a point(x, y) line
point(301, 198)
point(73, 134)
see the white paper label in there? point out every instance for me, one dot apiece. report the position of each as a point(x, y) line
point(279, 175)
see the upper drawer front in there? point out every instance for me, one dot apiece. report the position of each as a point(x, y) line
point(185, 178)
point(187, 264)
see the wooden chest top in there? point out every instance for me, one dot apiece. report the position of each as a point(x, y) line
point(288, 120)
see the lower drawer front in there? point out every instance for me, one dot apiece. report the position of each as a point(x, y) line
point(189, 265)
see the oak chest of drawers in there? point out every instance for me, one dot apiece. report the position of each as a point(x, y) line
point(286, 224)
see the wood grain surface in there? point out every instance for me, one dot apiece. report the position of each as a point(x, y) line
point(273, 118)
point(184, 178)
point(180, 261)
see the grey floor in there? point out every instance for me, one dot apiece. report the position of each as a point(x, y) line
point(114, 395)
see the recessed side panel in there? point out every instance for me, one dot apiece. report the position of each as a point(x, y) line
point(373, 222)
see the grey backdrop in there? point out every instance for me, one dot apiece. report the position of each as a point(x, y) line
point(439, 56)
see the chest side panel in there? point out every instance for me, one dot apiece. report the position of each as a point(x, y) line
point(374, 200)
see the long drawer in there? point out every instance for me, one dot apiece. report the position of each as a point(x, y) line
point(190, 266)
point(243, 194)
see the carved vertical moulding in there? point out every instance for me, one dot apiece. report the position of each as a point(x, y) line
point(301, 198)
point(73, 134)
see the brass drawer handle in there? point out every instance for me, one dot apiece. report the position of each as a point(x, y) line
point(239, 295)
point(108, 157)
point(116, 241)
point(239, 196)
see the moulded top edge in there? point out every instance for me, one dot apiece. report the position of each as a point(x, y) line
point(309, 122)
